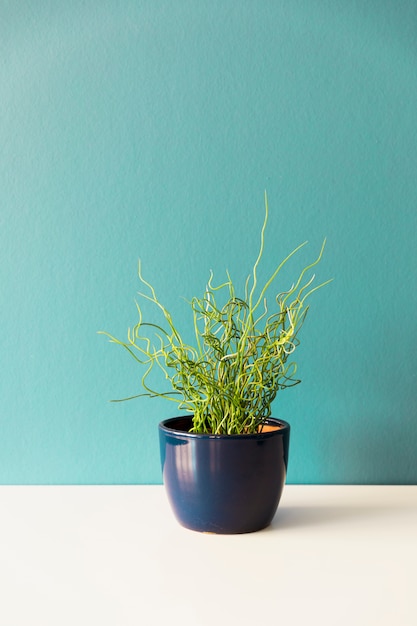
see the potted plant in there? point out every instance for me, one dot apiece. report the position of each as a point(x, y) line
point(224, 463)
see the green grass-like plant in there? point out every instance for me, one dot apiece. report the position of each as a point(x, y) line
point(242, 354)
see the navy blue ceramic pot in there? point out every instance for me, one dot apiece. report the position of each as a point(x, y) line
point(223, 483)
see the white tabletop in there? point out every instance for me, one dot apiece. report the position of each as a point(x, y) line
point(334, 555)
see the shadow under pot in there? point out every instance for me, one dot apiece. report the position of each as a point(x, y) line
point(225, 484)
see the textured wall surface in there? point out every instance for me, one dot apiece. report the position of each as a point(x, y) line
point(150, 129)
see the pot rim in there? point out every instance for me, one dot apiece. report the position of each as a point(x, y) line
point(165, 427)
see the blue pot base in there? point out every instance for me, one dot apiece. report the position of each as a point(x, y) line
point(223, 484)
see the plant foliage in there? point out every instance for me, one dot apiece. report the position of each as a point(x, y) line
point(243, 352)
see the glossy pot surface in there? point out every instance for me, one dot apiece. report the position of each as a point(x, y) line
point(223, 483)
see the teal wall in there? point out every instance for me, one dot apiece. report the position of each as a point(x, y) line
point(150, 129)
